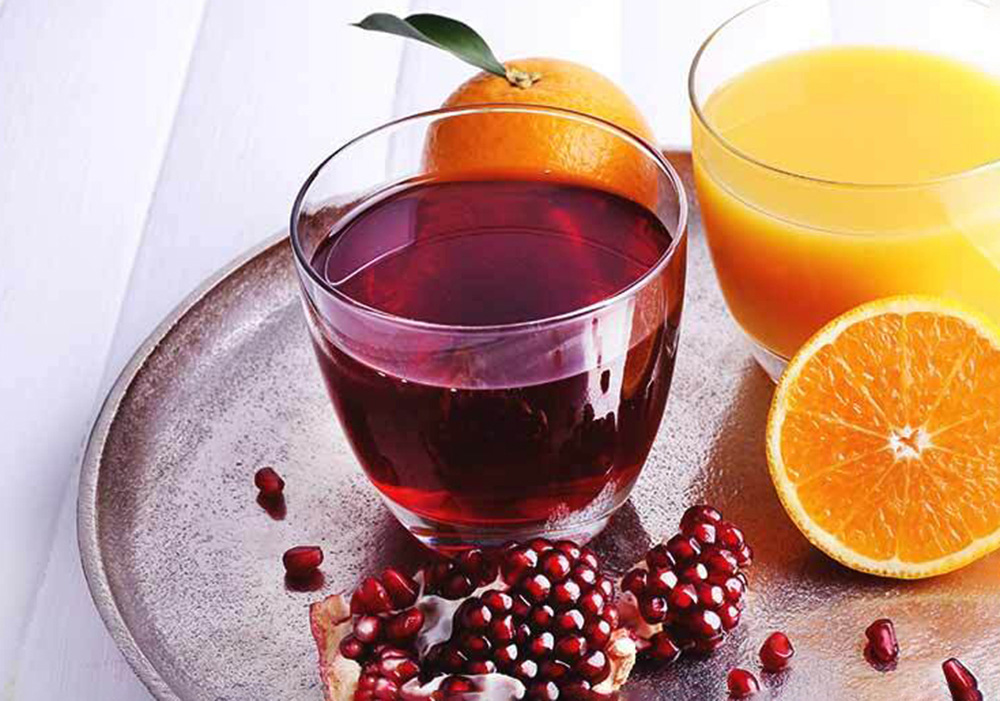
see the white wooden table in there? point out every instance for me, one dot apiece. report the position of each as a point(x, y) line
point(143, 144)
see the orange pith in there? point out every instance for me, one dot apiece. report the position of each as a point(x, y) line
point(506, 144)
point(884, 438)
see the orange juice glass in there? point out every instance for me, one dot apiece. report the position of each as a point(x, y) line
point(846, 150)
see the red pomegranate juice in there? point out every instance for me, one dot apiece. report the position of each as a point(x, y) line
point(486, 440)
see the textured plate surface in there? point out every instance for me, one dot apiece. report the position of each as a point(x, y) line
point(185, 567)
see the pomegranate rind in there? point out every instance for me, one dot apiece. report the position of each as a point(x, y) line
point(829, 543)
point(621, 652)
point(330, 621)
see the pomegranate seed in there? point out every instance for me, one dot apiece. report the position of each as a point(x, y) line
point(554, 670)
point(660, 558)
point(704, 623)
point(683, 548)
point(653, 609)
point(302, 561)
point(542, 616)
point(371, 597)
point(569, 549)
point(570, 622)
point(498, 601)
point(742, 684)
point(606, 587)
point(612, 616)
point(589, 558)
point(457, 684)
point(660, 582)
point(403, 627)
point(584, 576)
point(476, 615)
point(721, 563)
point(598, 633)
point(592, 603)
point(540, 545)
point(536, 588)
point(368, 629)
point(704, 533)
point(543, 691)
point(682, 598)
point(542, 645)
point(525, 670)
point(700, 513)
point(882, 646)
point(730, 537)
point(710, 596)
point(269, 482)
point(479, 667)
point(735, 588)
point(506, 655)
point(571, 648)
point(502, 630)
point(663, 649)
point(402, 590)
point(594, 667)
point(352, 648)
point(695, 573)
point(730, 616)
point(962, 684)
point(516, 563)
point(566, 594)
point(555, 565)
point(475, 646)
point(457, 586)
point(776, 653)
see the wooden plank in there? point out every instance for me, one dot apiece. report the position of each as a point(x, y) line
point(87, 96)
point(271, 90)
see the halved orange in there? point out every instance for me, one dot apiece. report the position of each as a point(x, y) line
point(884, 437)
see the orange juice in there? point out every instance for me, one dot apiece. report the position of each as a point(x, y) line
point(835, 176)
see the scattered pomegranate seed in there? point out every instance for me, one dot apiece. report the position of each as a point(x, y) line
point(302, 561)
point(776, 653)
point(962, 684)
point(882, 647)
point(269, 482)
point(742, 684)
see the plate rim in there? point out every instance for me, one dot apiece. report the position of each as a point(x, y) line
point(87, 517)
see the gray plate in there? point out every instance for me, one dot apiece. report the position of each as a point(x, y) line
point(185, 567)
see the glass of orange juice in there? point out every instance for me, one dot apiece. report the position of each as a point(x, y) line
point(846, 150)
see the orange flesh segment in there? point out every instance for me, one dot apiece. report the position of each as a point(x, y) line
point(891, 437)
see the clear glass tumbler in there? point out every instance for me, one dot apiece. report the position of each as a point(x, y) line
point(793, 249)
point(498, 332)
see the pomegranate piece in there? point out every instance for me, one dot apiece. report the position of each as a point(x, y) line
point(690, 591)
point(742, 684)
point(526, 621)
point(882, 647)
point(962, 684)
point(269, 482)
point(776, 653)
point(302, 561)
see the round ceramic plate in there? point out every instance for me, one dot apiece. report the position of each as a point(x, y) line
point(186, 570)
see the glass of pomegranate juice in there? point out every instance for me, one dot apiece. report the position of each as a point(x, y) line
point(498, 338)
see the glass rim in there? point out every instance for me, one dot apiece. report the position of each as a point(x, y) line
point(644, 147)
point(752, 160)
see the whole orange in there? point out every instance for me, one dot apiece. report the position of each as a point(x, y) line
point(533, 145)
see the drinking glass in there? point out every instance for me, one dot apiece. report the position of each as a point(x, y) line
point(792, 252)
point(476, 431)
